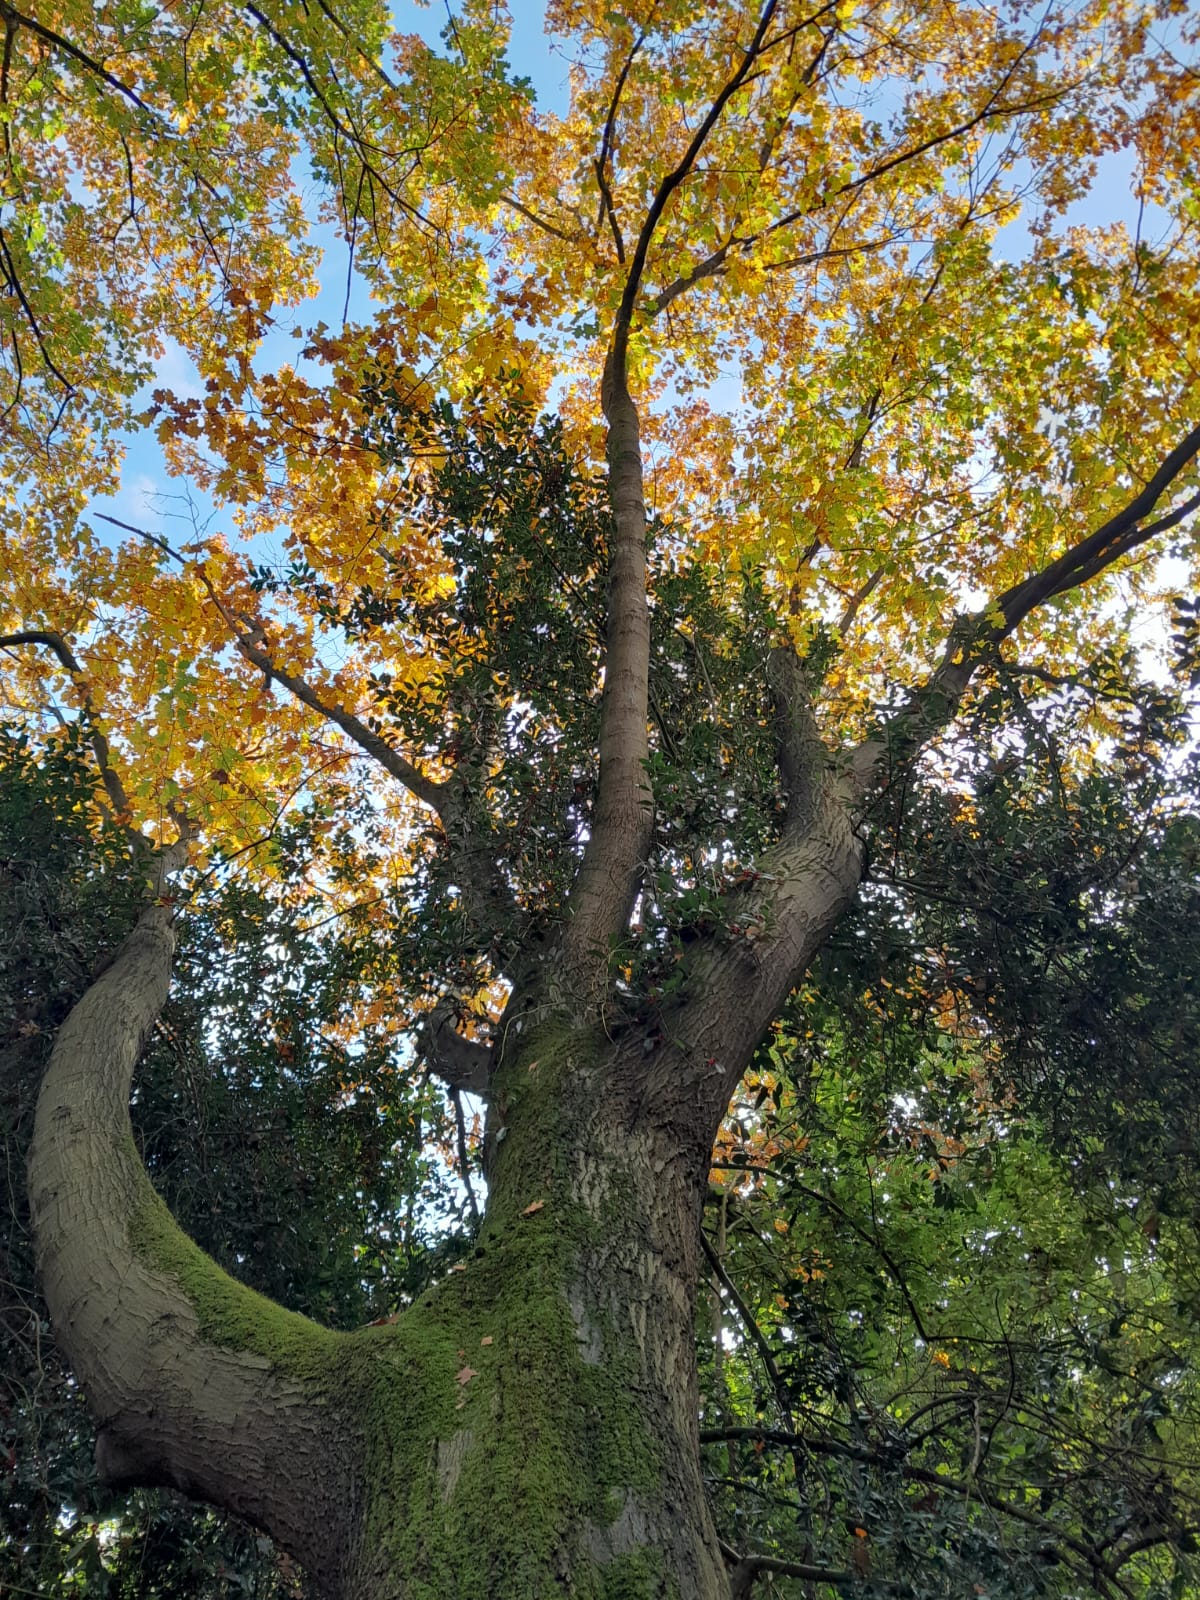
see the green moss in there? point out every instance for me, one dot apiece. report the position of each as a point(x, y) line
point(518, 1510)
point(499, 1460)
point(638, 1575)
point(229, 1314)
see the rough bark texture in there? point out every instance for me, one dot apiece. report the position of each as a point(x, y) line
point(553, 1448)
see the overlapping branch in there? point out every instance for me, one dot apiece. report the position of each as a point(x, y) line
point(166, 857)
point(716, 262)
point(459, 1062)
point(496, 915)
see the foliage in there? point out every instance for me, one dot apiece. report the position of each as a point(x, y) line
point(959, 1195)
point(933, 372)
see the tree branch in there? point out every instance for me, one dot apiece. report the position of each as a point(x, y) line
point(249, 641)
point(1120, 534)
point(1088, 1559)
point(249, 637)
point(464, 1155)
point(459, 1062)
point(471, 846)
point(757, 1339)
point(749, 1568)
point(714, 264)
point(9, 13)
point(165, 857)
point(192, 1377)
point(610, 874)
point(607, 208)
point(974, 638)
point(802, 752)
point(637, 266)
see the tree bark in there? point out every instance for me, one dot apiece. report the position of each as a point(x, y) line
point(552, 1448)
point(527, 1428)
point(195, 1381)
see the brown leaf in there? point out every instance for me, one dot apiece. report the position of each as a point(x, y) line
point(487, 1339)
point(465, 1374)
point(535, 1205)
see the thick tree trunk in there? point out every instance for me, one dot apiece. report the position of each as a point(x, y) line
point(550, 1446)
point(527, 1429)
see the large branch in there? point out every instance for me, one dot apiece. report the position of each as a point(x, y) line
point(614, 857)
point(459, 1062)
point(737, 978)
point(610, 874)
point(195, 1381)
point(973, 639)
point(802, 753)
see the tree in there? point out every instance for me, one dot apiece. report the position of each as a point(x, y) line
point(630, 758)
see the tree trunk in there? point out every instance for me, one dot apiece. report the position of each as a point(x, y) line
point(552, 1448)
point(528, 1428)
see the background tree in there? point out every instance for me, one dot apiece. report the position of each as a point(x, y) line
point(634, 757)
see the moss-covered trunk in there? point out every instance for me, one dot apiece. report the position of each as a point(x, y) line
point(527, 1429)
point(554, 1451)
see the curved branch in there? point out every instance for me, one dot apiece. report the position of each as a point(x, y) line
point(749, 1568)
point(470, 842)
point(165, 857)
point(55, 642)
point(195, 1381)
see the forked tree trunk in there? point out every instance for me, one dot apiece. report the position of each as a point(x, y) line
point(528, 1428)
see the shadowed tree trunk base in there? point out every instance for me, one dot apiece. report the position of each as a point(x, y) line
point(554, 1449)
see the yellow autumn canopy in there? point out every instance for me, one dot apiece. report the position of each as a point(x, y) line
point(910, 291)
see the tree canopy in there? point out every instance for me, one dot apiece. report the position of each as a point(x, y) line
point(724, 581)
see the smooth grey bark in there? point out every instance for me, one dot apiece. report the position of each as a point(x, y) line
point(233, 1426)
